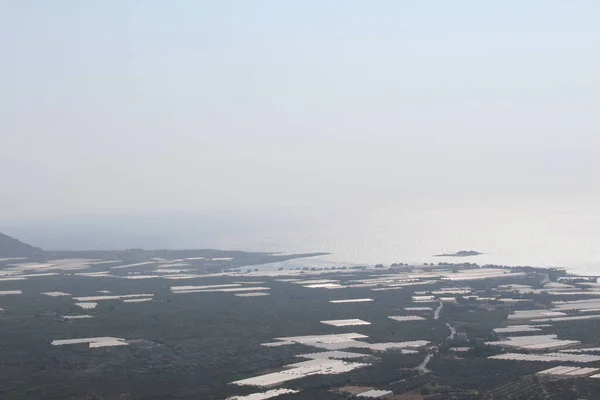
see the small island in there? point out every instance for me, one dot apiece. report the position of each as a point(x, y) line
point(462, 253)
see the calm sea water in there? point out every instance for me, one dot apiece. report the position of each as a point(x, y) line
point(542, 234)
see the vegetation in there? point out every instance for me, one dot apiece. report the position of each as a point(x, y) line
point(191, 346)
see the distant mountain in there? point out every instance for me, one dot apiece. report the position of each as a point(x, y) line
point(11, 247)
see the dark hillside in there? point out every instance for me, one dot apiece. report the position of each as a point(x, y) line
point(11, 247)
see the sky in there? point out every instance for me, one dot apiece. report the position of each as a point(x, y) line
point(118, 107)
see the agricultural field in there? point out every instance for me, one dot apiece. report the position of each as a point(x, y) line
point(91, 328)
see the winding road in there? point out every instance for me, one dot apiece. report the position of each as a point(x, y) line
point(436, 313)
point(452, 331)
point(423, 366)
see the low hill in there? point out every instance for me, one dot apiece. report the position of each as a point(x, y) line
point(11, 247)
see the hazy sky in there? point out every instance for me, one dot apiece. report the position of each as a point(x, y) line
point(116, 106)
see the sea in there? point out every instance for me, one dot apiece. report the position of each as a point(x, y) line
point(564, 234)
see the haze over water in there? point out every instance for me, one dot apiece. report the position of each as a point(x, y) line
point(539, 234)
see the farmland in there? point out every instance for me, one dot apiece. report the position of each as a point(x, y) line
point(164, 328)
